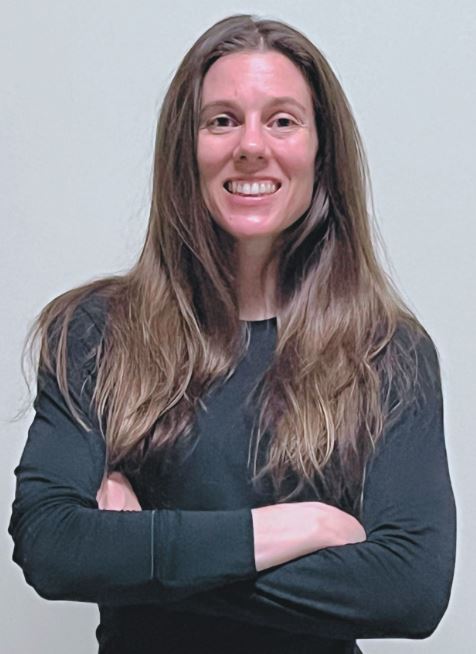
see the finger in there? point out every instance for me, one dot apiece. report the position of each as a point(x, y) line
point(115, 495)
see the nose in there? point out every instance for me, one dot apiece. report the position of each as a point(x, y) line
point(252, 143)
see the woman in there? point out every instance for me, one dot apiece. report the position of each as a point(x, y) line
point(238, 445)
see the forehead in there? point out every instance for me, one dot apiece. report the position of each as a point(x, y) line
point(236, 76)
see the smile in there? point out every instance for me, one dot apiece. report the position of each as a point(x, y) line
point(244, 188)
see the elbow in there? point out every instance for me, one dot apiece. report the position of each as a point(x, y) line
point(428, 599)
point(428, 615)
point(43, 574)
point(50, 568)
point(420, 624)
point(45, 588)
point(413, 591)
point(415, 614)
point(34, 566)
point(54, 578)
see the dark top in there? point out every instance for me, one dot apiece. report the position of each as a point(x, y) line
point(182, 579)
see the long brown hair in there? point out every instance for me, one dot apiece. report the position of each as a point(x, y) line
point(172, 326)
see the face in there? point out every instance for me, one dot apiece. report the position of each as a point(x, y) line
point(257, 144)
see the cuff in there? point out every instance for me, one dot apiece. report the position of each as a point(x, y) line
point(202, 549)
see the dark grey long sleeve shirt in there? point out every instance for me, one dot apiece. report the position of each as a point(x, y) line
point(180, 576)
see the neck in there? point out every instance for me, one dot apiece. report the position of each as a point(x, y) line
point(256, 302)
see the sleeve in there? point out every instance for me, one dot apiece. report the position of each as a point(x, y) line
point(70, 550)
point(397, 583)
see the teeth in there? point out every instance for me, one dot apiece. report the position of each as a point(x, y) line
point(254, 188)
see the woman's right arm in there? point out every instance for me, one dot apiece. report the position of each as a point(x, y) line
point(69, 550)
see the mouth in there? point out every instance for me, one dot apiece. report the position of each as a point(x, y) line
point(250, 188)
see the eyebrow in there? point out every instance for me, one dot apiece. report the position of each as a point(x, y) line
point(274, 101)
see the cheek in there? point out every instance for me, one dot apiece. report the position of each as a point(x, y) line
point(297, 159)
point(305, 158)
point(301, 170)
point(211, 157)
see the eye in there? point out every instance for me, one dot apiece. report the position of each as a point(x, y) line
point(221, 121)
point(284, 122)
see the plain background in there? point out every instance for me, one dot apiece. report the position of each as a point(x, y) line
point(82, 84)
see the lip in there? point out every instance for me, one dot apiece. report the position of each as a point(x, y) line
point(250, 180)
point(246, 200)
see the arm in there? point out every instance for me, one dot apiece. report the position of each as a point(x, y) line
point(69, 550)
point(281, 532)
point(397, 583)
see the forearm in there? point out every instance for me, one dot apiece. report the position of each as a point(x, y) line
point(284, 532)
point(393, 585)
point(70, 552)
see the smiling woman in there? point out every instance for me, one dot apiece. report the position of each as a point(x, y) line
point(246, 428)
point(256, 174)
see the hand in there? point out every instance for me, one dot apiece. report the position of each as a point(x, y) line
point(116, 494)
point(283, 532)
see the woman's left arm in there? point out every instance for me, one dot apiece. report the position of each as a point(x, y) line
point(395, 584)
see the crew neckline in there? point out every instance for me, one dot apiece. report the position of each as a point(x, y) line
point(260, 322)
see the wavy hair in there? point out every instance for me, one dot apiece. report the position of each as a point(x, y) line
point(172, 326)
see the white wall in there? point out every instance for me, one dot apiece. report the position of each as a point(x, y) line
point(80, 91)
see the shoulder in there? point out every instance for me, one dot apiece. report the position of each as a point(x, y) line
point(419, 346)
point(87, 323)
point(72, 328)
point(415, 378)
point(413, 405)
point(409, 371)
